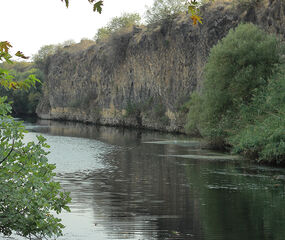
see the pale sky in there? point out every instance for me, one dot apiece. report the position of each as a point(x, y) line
point(30, 24)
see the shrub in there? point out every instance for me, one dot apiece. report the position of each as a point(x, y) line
point(133, 109)
point(263, 137)
point(116, 24)
point(238, 66)
point(153, 109)
point(162, 9)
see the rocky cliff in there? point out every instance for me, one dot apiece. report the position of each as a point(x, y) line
point(143, 76)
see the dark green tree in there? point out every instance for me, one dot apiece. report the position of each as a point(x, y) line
point(238, 66)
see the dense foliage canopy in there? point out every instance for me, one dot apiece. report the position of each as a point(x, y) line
point(240, 103)
point(28, 193)
point(23, 102)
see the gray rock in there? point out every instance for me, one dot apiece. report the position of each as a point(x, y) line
point(143, 76)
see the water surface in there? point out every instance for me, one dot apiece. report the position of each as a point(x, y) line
point(128, 184)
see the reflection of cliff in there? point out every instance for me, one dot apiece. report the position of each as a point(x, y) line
point(142, 193)
point(111, 135)
point(156, 187)
point(142, 77)
point(139, 195)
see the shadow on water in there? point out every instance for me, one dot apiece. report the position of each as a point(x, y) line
point(128, 184)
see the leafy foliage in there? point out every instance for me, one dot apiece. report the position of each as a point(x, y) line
point(7, 80)
point(263, 135)
point(152, 108)
point(116, 24)
point(97, 5)
point(27, 192)
point(43, 53)
point(162, 9)
point(24, 102)
point(241, 103)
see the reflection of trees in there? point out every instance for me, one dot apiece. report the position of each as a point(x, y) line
point(112, 135)
point(238, 203)
point(147, 194)
point(140, 194)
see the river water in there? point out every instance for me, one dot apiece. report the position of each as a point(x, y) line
point(129, 184)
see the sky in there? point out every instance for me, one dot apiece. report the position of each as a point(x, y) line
point(30, 24)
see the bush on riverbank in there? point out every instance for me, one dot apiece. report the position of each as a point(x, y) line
point(242, 101)
point(264, 138)
point(24, 102)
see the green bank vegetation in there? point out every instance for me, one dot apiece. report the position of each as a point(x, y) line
point(242, 102)
point(28, 193)
point(23, 102)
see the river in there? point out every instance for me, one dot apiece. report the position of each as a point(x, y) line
point(130, 184)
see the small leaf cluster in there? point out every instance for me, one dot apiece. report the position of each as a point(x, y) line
point(193, 9)
point(6, 79)
point(4, 52)
point(97, 5)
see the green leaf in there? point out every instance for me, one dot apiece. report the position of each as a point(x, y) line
point(66, 2)
point(98, 7)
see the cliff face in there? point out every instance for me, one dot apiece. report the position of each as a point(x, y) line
point(143, 77)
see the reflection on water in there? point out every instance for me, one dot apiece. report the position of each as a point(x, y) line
point(127, 184)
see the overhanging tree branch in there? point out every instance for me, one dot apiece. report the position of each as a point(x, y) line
point(5, 158)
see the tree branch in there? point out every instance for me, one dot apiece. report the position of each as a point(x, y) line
point(8, 153)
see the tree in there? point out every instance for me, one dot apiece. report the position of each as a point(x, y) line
point(238, 70)
point(23, 102)
point(28, 192)
point(44, 51)
point(68, 43)
point(162, 9)
point(117, 23)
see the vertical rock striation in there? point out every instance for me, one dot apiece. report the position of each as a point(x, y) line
point(142, 77)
